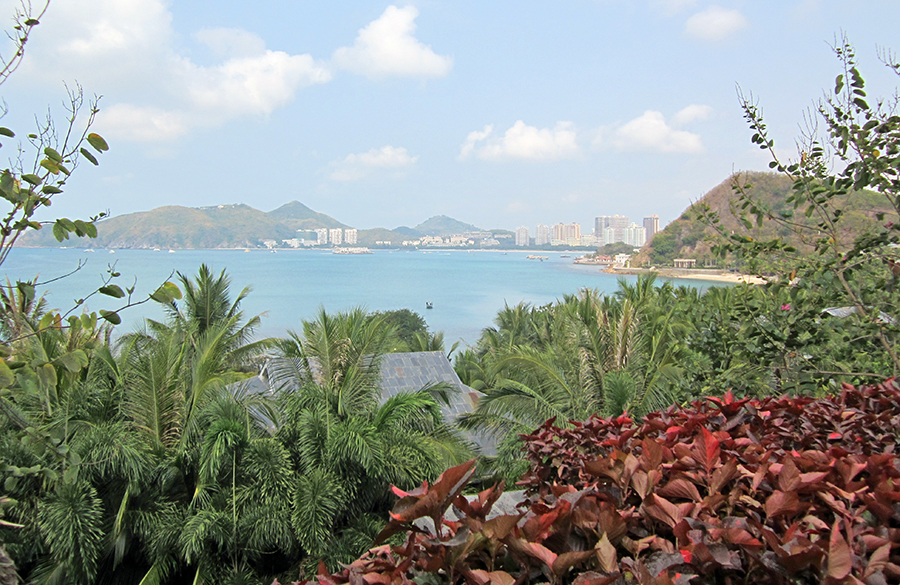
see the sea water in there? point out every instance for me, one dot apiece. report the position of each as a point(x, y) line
point(465, 288)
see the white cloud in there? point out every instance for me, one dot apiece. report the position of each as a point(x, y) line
point(715, 24)
point(141, 124)
point(357, 166)
point(231, 42)
point(253, 85)
point(692, 113)
point(386, 47)
point(651, 133)
point(126, 47)
point(474, 137)
point(523, 142)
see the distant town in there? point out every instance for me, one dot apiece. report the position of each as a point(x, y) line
point(608, 229)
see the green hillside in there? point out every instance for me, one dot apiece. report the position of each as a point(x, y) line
point(441, 225)
point(688, 238)
point(300, 217)
point(227, 226)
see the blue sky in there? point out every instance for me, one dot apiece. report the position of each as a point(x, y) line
point(499, 114)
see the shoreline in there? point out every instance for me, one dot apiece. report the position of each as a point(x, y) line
point(692, 274)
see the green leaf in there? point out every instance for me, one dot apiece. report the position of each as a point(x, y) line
point(53, 167)
point(60, 232)
point(26, 289)
point(838, 84)
point(32, 22)
point(74, 361)
point(112, 290)
point(166, 293)
point(97, 142)
point(87, 154)
point(7, 132)
point(6, 376)
point(110, 316)
point(861, 103)
point(50, 190)
point(33, 179)
point(53, 155)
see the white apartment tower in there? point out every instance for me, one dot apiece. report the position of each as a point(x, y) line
point(350, 235)
point(321, 236)
point(541, 235)
point(522, 236)
point(634, 235)
point(336, 236)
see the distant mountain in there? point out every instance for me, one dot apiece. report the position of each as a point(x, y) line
point(216, 226)
point(408, 232)
point(441, 225)
point(686, 237)
point(223, 226)
point(301, 217)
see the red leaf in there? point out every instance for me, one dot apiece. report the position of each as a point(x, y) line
point(662, 509)
point(839, 559)
point(782, 504)
point(789, 477)
point(680, 488)
point(706, 450)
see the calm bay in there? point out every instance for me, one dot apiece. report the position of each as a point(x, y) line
point(467, 288)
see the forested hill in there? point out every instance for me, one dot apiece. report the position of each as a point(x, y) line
point(216, 226)
point(687, 237)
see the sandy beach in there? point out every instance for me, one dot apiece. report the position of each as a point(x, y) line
point(689, 274)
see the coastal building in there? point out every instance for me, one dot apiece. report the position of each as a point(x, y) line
point(622, 261)
point(651, 226)
point(685, 263)
point(460, 240)
point(604, 223)
point(541, 235)
point(619, 224)
point(321, 236)
point(336, 236)
point(589, 241)
point(478, 235)
point(634, 235)
point(350, 235)
point(557, 233)
point(522, 238)
point(572, 231)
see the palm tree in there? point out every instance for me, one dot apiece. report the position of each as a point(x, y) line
point(594, 354)
point(347, 443)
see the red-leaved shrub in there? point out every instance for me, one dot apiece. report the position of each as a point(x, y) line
point(779, 490)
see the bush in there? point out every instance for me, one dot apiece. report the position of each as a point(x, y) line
point(777, 490)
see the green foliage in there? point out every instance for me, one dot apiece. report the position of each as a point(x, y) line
point(844, 262)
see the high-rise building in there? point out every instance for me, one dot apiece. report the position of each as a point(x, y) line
point(541, 235)
point(522, 236)
point(634, 235)
point(350, 235)
point(558, 232)
point(572, 231)
point(322, 236)
point(600, 225)
point(617, 223)
point(336, 236)
point(651, 226)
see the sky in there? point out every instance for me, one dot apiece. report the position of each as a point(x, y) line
point(500, 114)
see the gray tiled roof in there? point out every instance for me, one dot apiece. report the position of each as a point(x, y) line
point(415, 370)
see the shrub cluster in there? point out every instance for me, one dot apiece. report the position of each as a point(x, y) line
point(778, 490)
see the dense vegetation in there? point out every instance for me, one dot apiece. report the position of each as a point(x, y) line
point(152, 459)
point(786, 490)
